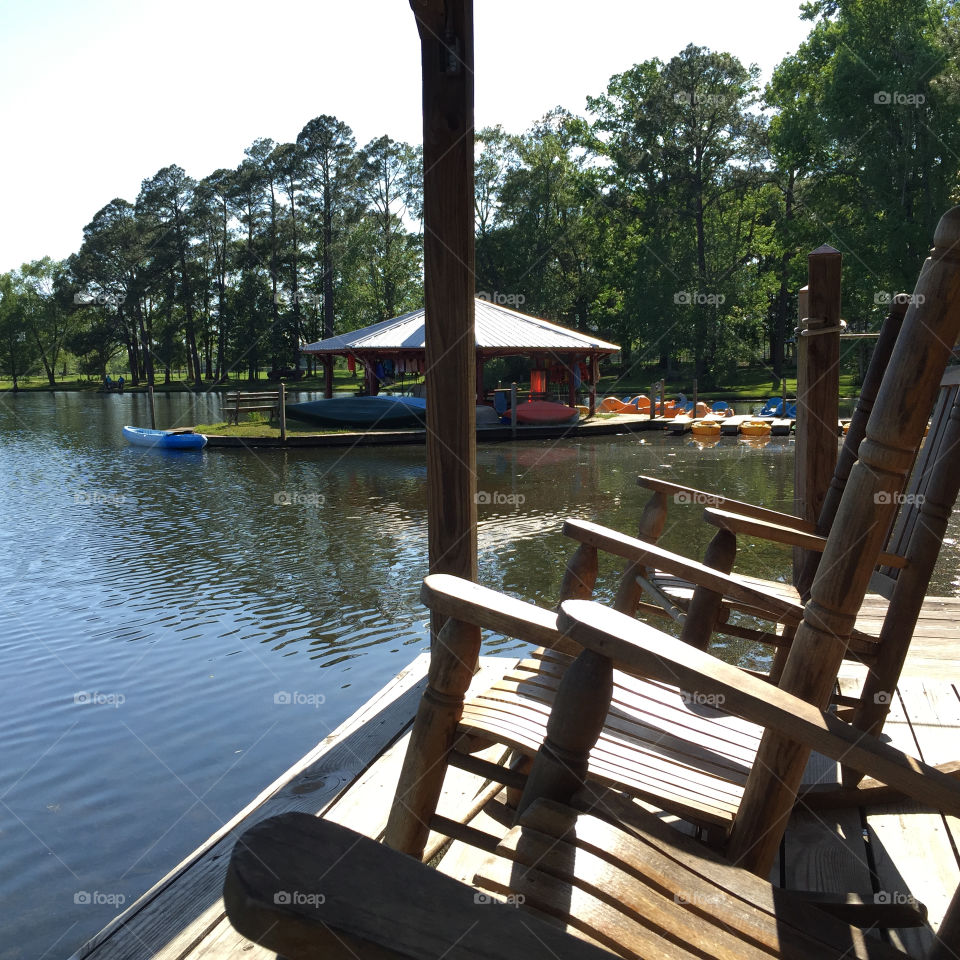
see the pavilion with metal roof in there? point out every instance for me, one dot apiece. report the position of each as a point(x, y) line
point(500, 332)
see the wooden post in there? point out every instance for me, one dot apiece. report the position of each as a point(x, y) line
point(818, 387)
point(283, 411)
point(446, 45)
point(855, 433)
point(236, 412)
point(434, 733)
point(894, 433)
point(696, 397)
point(572, 386)
point(513, 410)
point(153, 407)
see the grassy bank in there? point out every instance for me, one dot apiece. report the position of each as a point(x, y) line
point(752, 383)
point(261, 428)
point(342, 382)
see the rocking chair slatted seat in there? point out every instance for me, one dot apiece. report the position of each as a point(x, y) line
point(583, 872)
point(665, 756)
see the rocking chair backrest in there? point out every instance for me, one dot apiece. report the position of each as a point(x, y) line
point(936, 446)
point(894, 434)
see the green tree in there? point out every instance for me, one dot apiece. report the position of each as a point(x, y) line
point(43, 303)
point(390, 184)
point(165, 201)
point(685, 144)
point(17, 351)
point(330, 153)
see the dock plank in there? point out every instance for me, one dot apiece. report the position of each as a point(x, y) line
point(824, 850)
point(910, 845)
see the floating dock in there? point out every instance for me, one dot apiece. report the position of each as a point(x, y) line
point(607, 426)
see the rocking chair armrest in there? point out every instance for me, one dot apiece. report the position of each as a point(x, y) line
point(682, 494)
point(642, 650)
point(778, 608)
point(737, 523)
point(469, 602)
point(305, 887)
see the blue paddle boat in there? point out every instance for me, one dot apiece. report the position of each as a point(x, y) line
point(775, 407)
point(165, 439)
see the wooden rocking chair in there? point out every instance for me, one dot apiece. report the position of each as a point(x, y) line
point(584, 875)
point(687, 757)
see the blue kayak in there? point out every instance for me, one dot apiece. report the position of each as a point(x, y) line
point(380, 412)
point(166, 439)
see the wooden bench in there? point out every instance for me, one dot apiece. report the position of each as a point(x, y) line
point(273, 402)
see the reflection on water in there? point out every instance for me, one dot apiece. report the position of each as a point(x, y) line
point(178, 628)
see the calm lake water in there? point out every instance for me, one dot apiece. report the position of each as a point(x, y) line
point(155, 607)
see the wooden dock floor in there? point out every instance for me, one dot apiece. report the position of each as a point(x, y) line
point(889, 851)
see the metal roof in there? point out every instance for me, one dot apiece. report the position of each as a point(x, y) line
point(498, 329)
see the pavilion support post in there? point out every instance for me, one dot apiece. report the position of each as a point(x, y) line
point(481, 393)
point(328, 377)
point(446, 44)
point(594, 377)
point(818, 388)
point(370, 377)
point(571, 382)
point(867, 508)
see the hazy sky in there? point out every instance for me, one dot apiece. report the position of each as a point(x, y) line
point(97, 95)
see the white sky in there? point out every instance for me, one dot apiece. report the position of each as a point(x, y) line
point(97, 95)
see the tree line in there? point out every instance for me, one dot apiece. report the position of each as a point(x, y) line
point(674, 217)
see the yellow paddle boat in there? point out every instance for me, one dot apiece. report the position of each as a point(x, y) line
point(705, 428)
point(755, 428)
